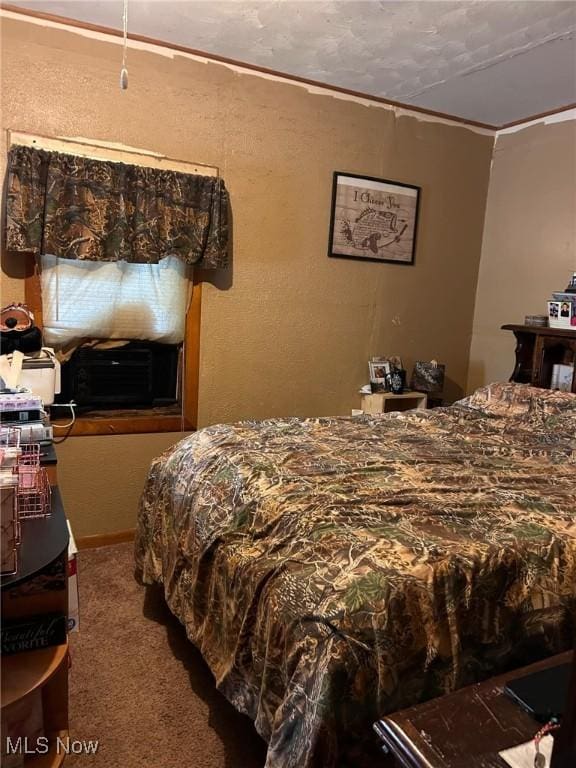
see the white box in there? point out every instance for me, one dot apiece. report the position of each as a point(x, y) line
point(562, 377)
point(73, 599)
point(38, 373)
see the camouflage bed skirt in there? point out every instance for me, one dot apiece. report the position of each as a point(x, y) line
point(332, 570)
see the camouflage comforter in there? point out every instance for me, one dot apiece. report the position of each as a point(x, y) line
point(335, 569)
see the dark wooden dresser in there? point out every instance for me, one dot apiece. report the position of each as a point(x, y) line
point(538, 350)
point(467, 728)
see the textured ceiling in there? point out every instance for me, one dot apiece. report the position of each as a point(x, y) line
point(494, 61)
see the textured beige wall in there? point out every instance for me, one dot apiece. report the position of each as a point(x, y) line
point(101, 478)
point(529, 247)
point(290, 330)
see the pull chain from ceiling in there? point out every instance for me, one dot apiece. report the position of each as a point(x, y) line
point(124, 70)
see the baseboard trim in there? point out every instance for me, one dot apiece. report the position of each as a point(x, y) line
point(105, 539)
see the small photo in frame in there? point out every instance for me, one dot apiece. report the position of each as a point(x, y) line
point(379, 375)
point(560, 314)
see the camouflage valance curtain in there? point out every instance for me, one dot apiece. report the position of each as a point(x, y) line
point(79, 208)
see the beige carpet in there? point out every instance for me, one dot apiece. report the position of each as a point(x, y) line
point(139, 686)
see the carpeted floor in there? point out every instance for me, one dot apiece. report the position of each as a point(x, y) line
point(139, 686)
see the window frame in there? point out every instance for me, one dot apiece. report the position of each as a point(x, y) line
point(135, 421)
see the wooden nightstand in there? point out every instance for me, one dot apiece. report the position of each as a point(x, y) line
point(386, 402)
point(465, 729)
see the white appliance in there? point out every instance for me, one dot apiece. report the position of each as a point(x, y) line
point(39, 373)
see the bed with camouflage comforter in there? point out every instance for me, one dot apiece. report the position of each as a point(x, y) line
point(334, 569)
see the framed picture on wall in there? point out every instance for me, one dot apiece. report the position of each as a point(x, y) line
point(373, 219)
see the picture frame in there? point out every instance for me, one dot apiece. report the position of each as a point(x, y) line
point(373, 219)
point(379, 375)
point(428, 377)
point(560, 314)
point(380, 369)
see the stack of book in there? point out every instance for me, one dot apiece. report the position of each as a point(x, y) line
point(540, 321)
point(25, 411)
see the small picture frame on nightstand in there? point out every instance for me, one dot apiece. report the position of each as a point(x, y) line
point(380, 369)
point(379, 375)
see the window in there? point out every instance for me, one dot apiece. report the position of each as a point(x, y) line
point(113, 300)
point(72, 299)
point(88, 204)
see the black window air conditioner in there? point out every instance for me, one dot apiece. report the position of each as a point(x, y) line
point(133, 376)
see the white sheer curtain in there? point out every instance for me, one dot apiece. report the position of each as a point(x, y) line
point(113, 300)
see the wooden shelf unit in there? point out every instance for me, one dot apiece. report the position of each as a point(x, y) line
point(40, 587)
point(24, 672)
point(387, 402)
point(45, 669)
